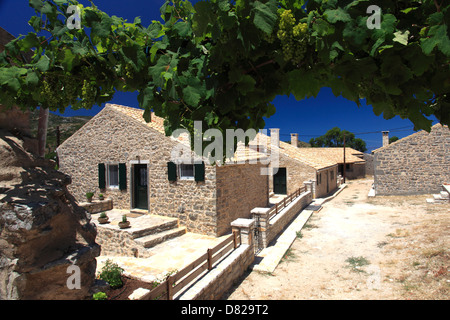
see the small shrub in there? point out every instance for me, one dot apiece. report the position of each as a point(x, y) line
point(89, 194)
point(112, 274)
point(124, 218)
point(103, 214)
point(100, 296)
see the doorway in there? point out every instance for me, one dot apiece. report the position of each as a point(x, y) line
point(279, 181)
point(140, 186)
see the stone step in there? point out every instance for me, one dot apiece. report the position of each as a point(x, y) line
point(155, 228)
point(444, 194)
point(152, 240)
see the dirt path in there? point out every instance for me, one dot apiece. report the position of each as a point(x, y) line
point(363, 248)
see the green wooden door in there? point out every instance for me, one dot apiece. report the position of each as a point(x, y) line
point(279, 182)
point(140, 186)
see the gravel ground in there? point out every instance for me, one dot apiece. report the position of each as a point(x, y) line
point(356, 247)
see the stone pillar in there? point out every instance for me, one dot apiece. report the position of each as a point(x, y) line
point(245, 228)
point(313, 185)
point(308, 186)
point(261, 217)
point(385, 138)
point(294, 139)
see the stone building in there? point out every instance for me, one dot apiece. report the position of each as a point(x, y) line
point(131, 162)
point(417, 164)
point(295, 167)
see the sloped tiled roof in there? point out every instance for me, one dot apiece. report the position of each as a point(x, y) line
point(242, 154)
point(311, 159)
point(334, 154)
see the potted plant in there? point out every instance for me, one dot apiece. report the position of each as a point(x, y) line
point(101, 197)
point(89, 196)
point(124, 223)
point(103, 218)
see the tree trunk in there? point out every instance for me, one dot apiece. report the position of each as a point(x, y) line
point(42, 131)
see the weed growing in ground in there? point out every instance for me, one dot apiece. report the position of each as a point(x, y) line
point(355, 263)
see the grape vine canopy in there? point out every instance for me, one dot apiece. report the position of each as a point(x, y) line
point(223, 62)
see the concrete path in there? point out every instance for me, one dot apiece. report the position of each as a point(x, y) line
point(268, 259)
point(167, 257)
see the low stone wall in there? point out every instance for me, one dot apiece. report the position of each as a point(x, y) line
point(118, 242)
point(270, 228)
point(215, 283)
point(97, 206)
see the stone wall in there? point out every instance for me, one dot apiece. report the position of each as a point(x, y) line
point(321, 188)
point(270, 228)
point(356, 171)
point(214, 284)
point(369, 163)
point(240, 188)
point(417, 164)
point(296, 173)
point(97, 206)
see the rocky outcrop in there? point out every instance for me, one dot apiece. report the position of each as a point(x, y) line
point(43, 232)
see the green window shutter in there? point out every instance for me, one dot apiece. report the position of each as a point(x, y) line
point(199, 171)
point(122, 176)
point(101, 176)
point(172, 171)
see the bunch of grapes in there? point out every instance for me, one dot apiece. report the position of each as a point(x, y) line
point(293, 37)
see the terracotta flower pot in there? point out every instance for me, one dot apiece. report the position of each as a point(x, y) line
point(103, 220)
point(123, 225)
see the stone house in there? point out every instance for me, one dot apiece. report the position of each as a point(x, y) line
point(416, 164)
point(295, 167)
point(130, 161)
point(355, 165)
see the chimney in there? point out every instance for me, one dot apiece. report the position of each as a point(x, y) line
point(385, 138)
point(294, 139)
point(275, 137)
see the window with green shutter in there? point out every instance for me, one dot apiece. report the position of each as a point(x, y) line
point(199, 171)
point(101, 176)
point(172, 171)
point(122, 176)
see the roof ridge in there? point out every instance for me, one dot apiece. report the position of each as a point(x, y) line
point(407, 137)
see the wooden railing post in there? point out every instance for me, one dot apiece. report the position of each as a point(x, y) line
point(209, 259)
point(169, 282)
point(235, 235)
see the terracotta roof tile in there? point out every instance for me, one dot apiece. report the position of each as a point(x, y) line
point(242, 154)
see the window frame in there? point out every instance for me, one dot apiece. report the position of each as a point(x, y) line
point(185, 177)
point(108, 176)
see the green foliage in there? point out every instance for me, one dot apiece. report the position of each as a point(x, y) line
point(335, 138)
point(393, 139)
point(100, 296)
point(89, 194)
point(223, 62)
point(112, 274)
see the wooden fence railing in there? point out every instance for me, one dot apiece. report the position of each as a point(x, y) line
point(280, 205)
point(176, 282)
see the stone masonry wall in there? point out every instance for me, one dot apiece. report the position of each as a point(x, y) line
point(239, 189)
point(321, 189)
point(112, 137)
point(369, 163)
point(297, 172)
point(417, 164)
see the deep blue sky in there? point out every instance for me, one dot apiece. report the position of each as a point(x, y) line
point(309, 118)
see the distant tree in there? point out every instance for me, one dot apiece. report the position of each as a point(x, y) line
point(393, 139)
point(335, 138)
